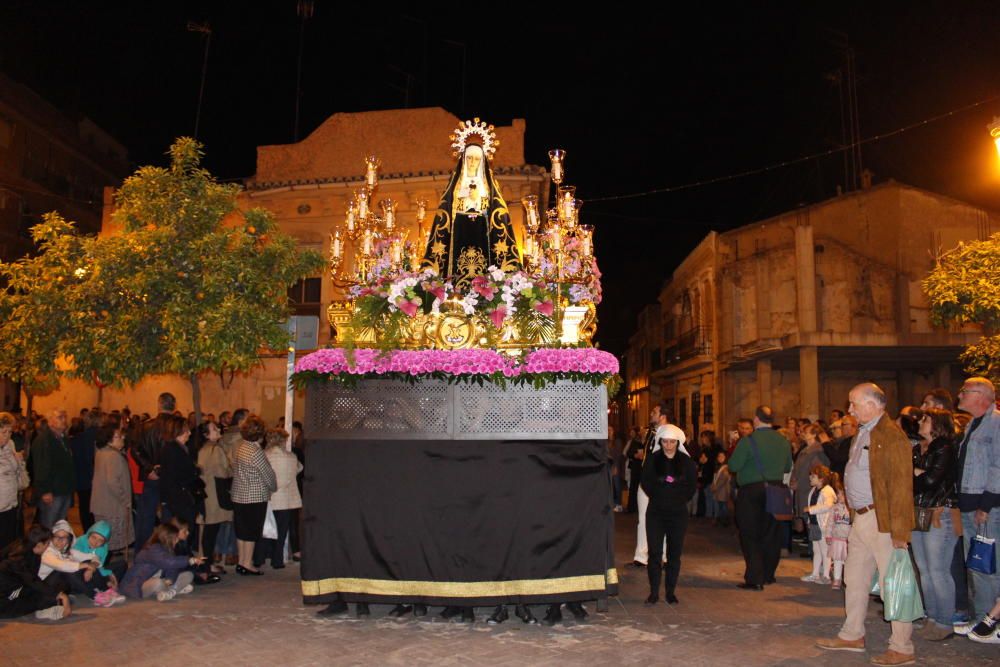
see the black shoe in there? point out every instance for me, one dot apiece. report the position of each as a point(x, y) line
point(769, 581)
point(449, 613)
point(750, 587)
point(468, 615)
point(672, 599)
point(334, 609)
point(523, 613)
point(419, 610)
point(576, 608)
point(210, 579)
point(362, 610)
point(400, 610)
point(652, 599)
point(247, 573)
point(280, 566)
point(636, 563)
point(552, 616)
point(499, 615)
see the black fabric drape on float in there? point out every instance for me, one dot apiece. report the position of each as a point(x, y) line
point(462, 522)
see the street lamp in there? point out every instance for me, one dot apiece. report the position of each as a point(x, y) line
point(994, 129)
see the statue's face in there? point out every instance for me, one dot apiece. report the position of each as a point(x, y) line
point(473, 158)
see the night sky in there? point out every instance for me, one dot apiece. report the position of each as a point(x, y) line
point(639, 103)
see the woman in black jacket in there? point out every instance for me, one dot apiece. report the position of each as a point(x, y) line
point(934, 469)
point(179, 480)
point(670, 479)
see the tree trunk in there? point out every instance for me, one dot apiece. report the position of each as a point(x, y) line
point(196, 398)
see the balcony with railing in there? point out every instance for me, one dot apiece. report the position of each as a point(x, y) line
point(689, 344)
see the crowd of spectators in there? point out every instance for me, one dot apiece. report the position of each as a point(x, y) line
point(164, 503)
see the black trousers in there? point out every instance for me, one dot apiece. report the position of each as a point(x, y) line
point(759, 535)
point(209, 535)
point(274, 549)
point(294, 530)
point(74, 582)
point(672, 524)
point(633, 487)
point(8, 526)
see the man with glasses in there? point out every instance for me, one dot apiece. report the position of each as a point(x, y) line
point(978, 482)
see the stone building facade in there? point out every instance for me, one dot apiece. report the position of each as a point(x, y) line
point(307, 186)
point(794, 310)
point(50, 160)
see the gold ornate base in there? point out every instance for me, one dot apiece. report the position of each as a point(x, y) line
point(452, 329)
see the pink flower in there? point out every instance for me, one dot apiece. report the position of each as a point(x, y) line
point(544, 307)
point(498, 316)
point(409, 306)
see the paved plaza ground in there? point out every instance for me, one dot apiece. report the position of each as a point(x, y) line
point(261, 621)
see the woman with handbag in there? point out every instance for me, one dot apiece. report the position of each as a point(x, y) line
point(253, 484)
point(284, 501)
point(218, 478)
point(13, 479)
point(934, 468)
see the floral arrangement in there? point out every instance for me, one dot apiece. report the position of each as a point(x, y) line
point(393, 295)
point(538, 367)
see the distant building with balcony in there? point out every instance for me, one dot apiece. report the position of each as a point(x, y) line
point(49, 161)
point(794, 310)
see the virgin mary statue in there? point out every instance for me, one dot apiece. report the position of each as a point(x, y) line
point(471, 229)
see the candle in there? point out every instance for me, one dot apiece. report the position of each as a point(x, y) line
point(530, 204)
point(586, 234)
point(352, 211)
point(337, 247)
point(366, 246)
point(557, 156)
point(371, 174)
point(389, 214)
point(395, 252)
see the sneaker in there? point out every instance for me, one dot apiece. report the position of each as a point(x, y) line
point(166, 595)
point(50, 614)
point(187, 589)
point(117, 598)
point(104, 598)
point(985, 631)
point(836, 585)
point(810, 579)
point(824, 580)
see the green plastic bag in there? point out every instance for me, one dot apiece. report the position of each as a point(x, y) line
point(900, 593)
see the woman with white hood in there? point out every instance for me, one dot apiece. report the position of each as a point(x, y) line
point(670, 479)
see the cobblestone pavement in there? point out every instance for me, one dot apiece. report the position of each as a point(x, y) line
point(261, 621)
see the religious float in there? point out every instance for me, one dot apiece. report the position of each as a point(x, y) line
point(457, 433)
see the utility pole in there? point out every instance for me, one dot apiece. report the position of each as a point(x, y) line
point(206, 30)
point(304, 9)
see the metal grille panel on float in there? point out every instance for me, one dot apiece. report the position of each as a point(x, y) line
point(379, 409)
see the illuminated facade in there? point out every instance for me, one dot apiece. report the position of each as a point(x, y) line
point(794, 310)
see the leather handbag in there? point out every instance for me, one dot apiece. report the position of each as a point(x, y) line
point(224, 492)
point(923, 517)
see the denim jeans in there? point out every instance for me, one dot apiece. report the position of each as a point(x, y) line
point(933, 551)
point(49, 513)
point(985, 587)
point(145, 520)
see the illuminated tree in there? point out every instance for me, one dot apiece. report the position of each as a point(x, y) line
point(189, 284)
point(964, 288)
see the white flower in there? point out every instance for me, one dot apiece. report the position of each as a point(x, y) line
point(469, 303)
point(436, 307)
point(496, 273)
